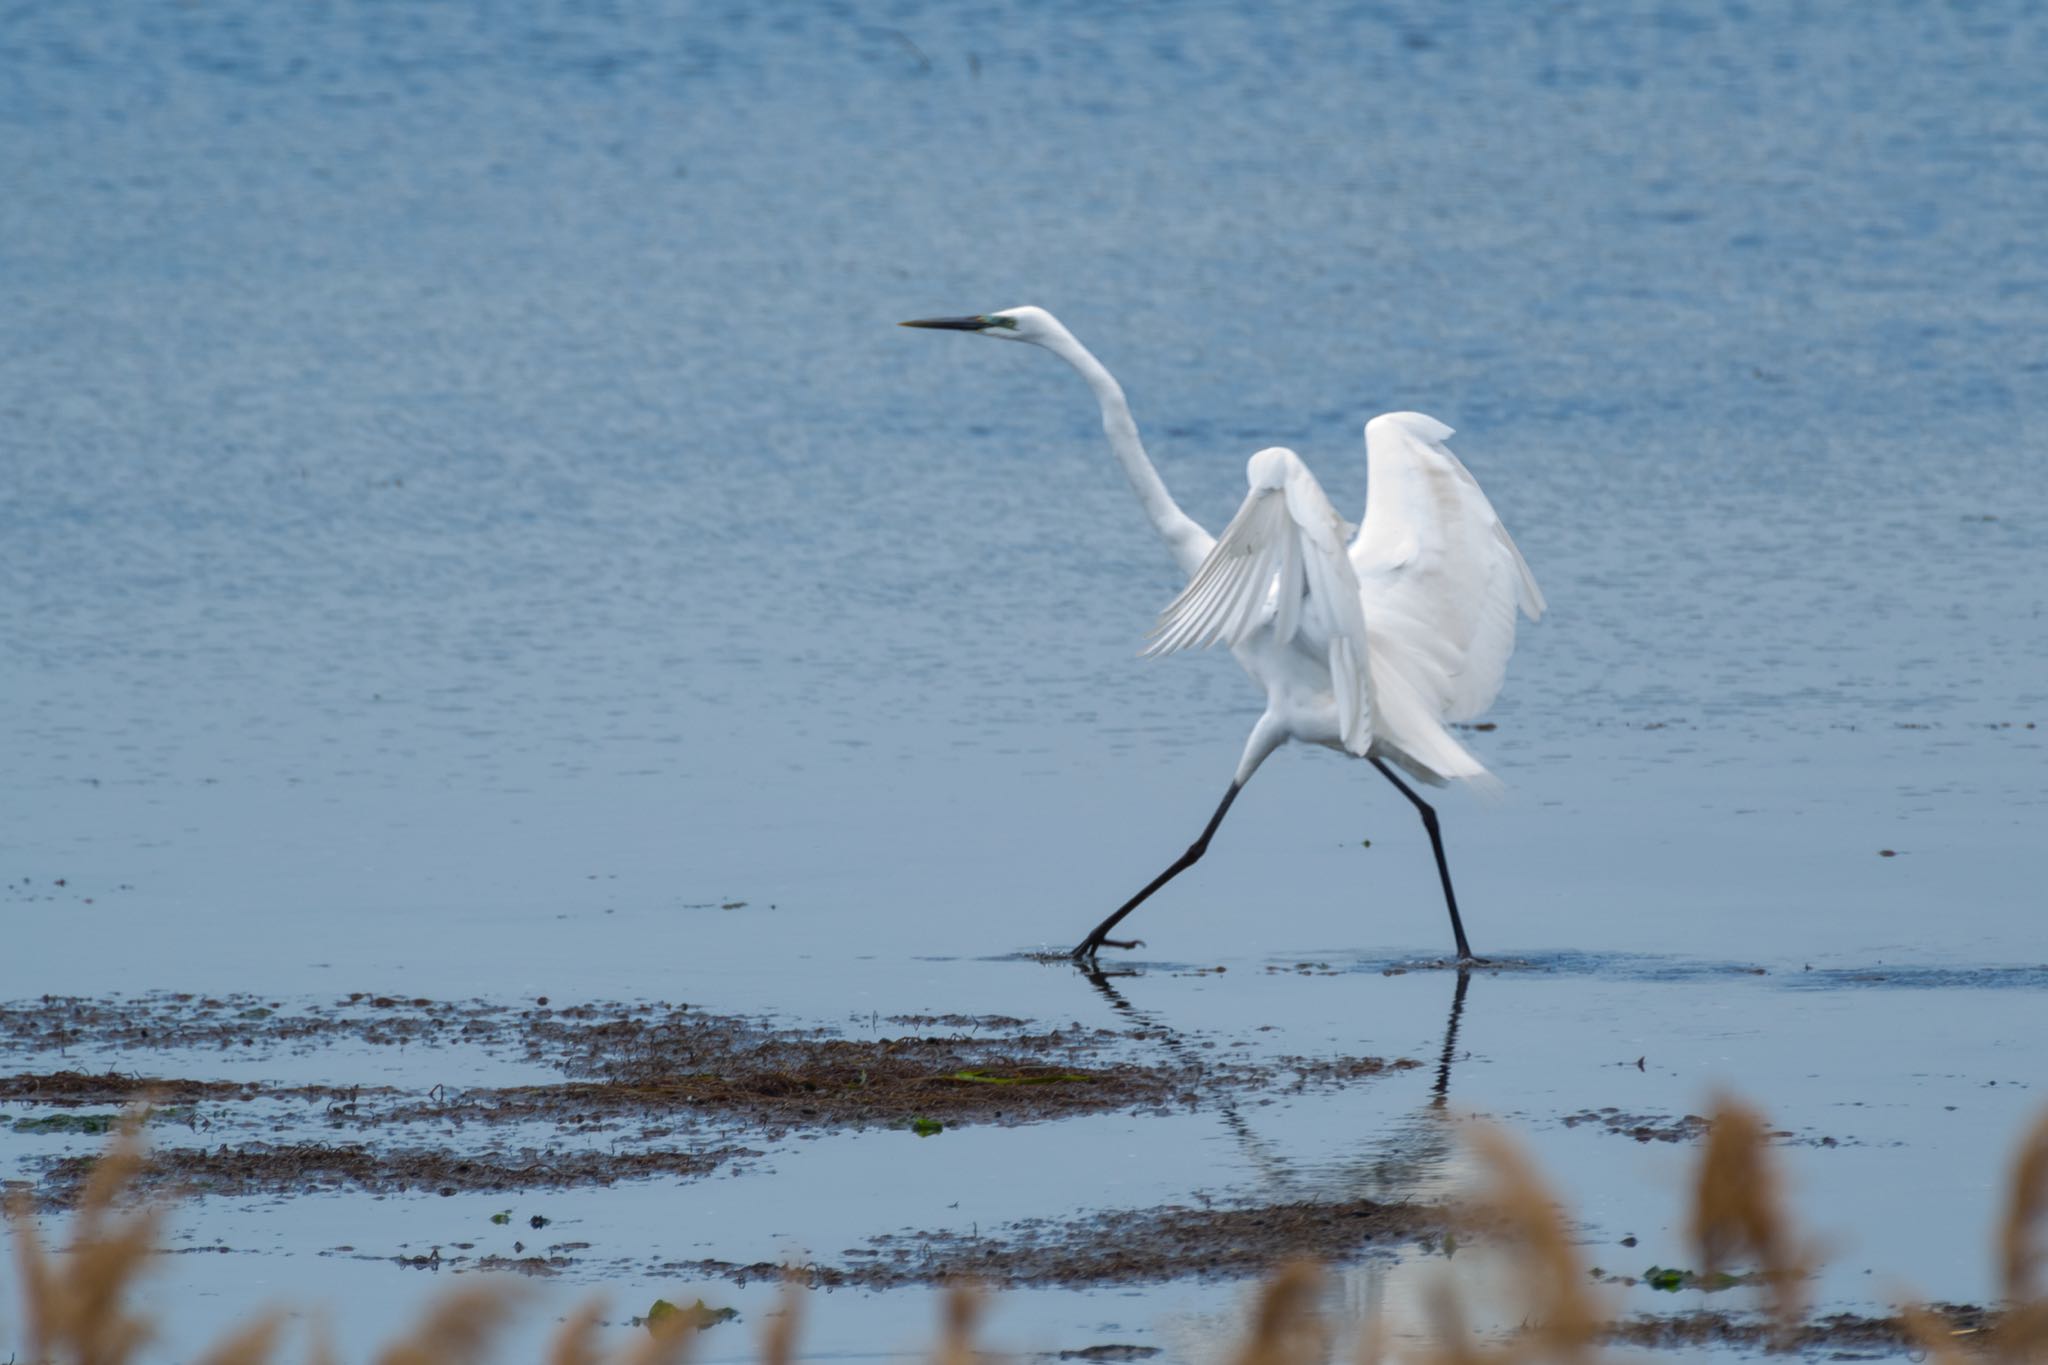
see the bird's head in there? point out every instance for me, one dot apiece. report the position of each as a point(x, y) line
point(1034, 325)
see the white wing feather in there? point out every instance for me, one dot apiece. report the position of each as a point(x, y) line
point(1282, 562)
point(1441, 576)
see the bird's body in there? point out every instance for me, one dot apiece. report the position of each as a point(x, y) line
point(1368, 640)
point(1371, 642)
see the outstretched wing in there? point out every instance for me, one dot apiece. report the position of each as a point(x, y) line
point(1282, 562)
point(1441, 576)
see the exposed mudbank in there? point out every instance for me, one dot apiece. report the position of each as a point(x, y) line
point(1126, 1246)
point(644, 1090)
point(305, 1168)
point(1847, 1336)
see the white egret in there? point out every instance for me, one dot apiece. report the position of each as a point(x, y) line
point(1367, 643)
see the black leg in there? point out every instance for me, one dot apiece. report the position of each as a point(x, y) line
point(1086, 950)
point(1436, 844)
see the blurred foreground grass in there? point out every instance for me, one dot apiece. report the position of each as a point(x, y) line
point(77, 1307)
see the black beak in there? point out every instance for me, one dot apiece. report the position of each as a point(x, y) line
point(974, 324)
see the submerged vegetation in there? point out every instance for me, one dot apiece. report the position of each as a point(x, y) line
point(80, 1306)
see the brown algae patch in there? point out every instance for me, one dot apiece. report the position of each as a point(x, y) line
point(68, 1089)
point(1685, 1128)
point(1849, 1336)
point(301, 1168)
point(1127, 1246)
point(644, 1089)
point(80, 1088)
point(1642, 1127)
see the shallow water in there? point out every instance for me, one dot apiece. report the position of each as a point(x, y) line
point(469, 518)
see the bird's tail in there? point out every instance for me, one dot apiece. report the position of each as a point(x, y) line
point(1410, 733)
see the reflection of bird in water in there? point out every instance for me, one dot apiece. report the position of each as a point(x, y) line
point(1441, 1091)
point(1412, 1161)
point(1368, 643)
point(1262, 1154)
point(1415, 1160)
point(1408, 1162)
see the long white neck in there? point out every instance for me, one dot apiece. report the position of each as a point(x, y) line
point(1189, 543)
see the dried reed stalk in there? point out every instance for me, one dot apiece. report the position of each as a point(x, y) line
point(1739, 1211)
point(1933, 1336)
point(778, 1336)
point(1371, 1345)
point(1562, 1320)
point(1454, 1344)
point(957, 1321)
point(2019, 1254)
point(253, 1344)
point(575, 1342)
point(1287, 1328)
point(455, 1329)
point(2022, 1333)
point(75, 1307)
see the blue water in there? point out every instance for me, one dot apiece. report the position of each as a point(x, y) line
point(466, 513)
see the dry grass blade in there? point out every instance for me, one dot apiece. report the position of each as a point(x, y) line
point(1371, 1345)
point(1564, 1321)
point(778, 1337)
point(320, 1346)
point(75, 1306)
point(1286, 1328)
point(1454, 1343)
point(1738, 1210)
point(2023, 1332)
point(75, 1303)
point(2020, 1255)
point(38, 1277)
point(111, 1176)
point(250, 1345)
point(97, 1277)
point(1934, 1337)
point(956, 1338)
point(669, 1341)
point(576, 1342)
point(457, 1328)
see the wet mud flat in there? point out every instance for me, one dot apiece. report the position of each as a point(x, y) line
point(628, 1091)
point(383, 1096)
point(1144, 1246)
point(1678, 1129)
point(590, 1095)
point(1841, 1336)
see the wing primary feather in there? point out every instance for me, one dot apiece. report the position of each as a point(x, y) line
point(1286, 547)
point(1219, 616)
point(1189, 619)
point(1287, 592)
point(1183, 618)
point(1198, 623)
point(1250, 595)
point(1223, 600)
point(1349, 695)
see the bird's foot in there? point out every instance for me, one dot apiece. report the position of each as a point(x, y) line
point(1465, 961)
point(1085, 952)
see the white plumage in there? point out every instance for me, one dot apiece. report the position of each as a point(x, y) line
point(1439, 569)
point(1281, 575)
point(1369, 643)
point(1426, 594)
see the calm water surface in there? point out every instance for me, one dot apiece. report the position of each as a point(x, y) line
point(466, 515)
